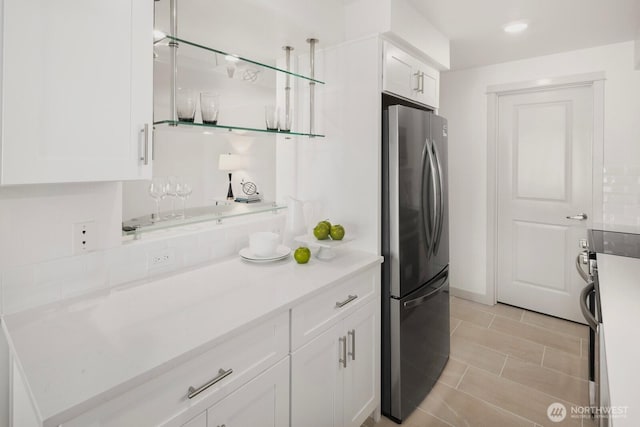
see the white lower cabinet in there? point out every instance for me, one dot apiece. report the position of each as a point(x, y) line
point(262, 402)
point(334, 377)
point(198, 421)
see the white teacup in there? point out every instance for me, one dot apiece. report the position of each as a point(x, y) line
point(263, 243)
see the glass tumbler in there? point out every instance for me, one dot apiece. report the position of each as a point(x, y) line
point(284, 122)
point(271, 117)
point(209, 107)
point(186, 105)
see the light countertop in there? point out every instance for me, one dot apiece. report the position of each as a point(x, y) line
point(619, 279)
point(77, 354)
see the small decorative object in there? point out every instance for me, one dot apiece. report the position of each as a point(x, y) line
point(229, 163)
point(250, 191)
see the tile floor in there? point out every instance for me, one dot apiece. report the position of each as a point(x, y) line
point(507, 366)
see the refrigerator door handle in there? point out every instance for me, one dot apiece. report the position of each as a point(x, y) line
point(435, 197)
point(423, 203)
point(423, 298)
point(440, 204)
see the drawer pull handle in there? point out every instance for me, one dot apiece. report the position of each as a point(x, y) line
point(343, 342)
point(352, 353)
point(222, 374)
point(347, 301)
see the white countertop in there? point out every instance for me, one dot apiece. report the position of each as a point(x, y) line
point(77, 354)
point(619, 279)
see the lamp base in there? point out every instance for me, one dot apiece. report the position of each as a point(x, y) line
point(230, 192)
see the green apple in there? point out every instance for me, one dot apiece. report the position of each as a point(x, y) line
point(302, 255)
point(321, 231)
point(337, 232)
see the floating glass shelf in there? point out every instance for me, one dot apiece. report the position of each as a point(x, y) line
point(217, 212)
point(236, 58)
point(240, 130)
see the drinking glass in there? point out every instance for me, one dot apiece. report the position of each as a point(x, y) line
point(285, 120)
point(157, 191)
point(186, 105)
point(209, 106)
point(172, 191)
point(271, 117)
point(184, 190)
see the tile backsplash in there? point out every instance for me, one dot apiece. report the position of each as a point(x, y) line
point(621, 195)
point(32, 285)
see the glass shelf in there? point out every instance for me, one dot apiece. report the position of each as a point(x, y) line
point(217, 212)
point(239, 58)
point(202, 127)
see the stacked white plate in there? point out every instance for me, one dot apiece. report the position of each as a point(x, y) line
point(281, 253)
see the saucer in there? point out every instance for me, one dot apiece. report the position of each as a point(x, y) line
point(280, 253)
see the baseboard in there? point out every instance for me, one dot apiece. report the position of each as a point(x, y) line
point(471, 296)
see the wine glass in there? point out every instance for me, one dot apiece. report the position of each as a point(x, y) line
point(184, 190)
point(172, 186)
point(157, 191)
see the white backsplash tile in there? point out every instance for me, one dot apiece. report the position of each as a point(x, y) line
point(29, 286)
point(621, 195)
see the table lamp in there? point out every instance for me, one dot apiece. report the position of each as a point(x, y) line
point(229, 163)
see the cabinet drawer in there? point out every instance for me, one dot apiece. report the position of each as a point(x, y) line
point(316, 315)
point(163, 400)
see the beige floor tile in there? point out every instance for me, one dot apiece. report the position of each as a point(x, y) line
point(463, 311)
point(454, 324)
point(564, 362)
point(555, 324)
point(503, 343)
point(503, 310)
point(453, 372)
point(547, 381)
point(462, 409)
point(477, 355)
point(537, 334)
point(513, 397)
point(418, 418)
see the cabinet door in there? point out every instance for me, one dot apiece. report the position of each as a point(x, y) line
point(428, 86)
point(76, 89)
point(197, 421)
point(316, 381)
point(398, 76)
point(360, 385)
point(264, 401)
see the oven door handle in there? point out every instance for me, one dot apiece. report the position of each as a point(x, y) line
point(584, 296)
point(579, 263)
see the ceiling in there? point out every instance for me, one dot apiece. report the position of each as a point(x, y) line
point(475, 26)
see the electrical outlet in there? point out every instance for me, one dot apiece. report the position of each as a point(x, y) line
point(160, 259)
point(84, 237)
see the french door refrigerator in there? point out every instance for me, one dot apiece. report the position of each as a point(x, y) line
point(415, 245)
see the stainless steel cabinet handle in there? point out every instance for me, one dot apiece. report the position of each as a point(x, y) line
point(222, 374)
point(417, 76)
point(352, 333)
point(579, 217)
point(347, 301)
point(343, 342)
point(145, 151)
point(421, 82)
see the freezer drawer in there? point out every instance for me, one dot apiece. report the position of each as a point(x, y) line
point(418, 335)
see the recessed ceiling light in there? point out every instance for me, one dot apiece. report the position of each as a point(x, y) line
point(515, 27)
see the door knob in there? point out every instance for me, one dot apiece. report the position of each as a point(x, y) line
point(579, 217)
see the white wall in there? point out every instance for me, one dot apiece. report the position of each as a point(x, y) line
point(464, 102)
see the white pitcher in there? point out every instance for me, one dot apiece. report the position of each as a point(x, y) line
point(296, 224)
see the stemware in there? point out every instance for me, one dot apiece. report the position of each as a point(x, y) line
point(184, 190)
point(172, 191)
point(157, 191)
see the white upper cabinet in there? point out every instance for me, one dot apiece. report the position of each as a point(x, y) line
point(77, 90)
point(408, 77)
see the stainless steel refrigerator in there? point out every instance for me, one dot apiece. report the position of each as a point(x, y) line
point(415, 245)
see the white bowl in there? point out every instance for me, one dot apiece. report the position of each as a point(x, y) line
point(263, 243)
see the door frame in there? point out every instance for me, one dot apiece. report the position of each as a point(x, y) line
point(593, 80)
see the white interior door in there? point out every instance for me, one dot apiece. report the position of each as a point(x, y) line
point(544, 176)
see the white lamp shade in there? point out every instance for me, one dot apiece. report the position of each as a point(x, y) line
point(229, 162)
